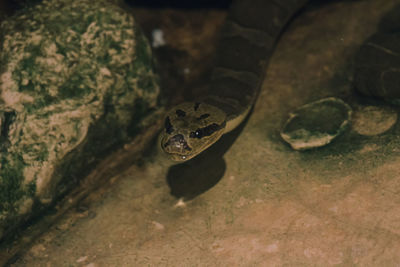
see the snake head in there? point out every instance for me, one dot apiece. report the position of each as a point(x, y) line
point(190, 128)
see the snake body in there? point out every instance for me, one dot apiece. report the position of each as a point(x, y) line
point(246, 43)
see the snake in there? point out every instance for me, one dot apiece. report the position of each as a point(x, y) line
point(246, 43)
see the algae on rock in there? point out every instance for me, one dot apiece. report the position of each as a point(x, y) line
point(76, 80)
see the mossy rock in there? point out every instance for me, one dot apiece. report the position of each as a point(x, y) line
point(76, 81)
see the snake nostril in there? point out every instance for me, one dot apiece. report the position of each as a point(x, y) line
point(177, 138)
point(178, 142)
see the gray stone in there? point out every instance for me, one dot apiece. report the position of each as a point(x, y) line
point(316, 124)
point(76, 81)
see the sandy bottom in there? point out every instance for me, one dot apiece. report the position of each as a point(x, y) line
point(261, 204)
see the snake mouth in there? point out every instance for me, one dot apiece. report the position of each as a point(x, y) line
point(177, 148)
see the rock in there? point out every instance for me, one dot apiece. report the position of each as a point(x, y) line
point(316, 124)
point(76, 82)
point(377, 67)
point(390, 22)
point(373, 120)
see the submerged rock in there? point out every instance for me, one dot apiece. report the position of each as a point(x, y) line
point(390, 22)
point(377, 67)
point(316, 124)
point(76, 81)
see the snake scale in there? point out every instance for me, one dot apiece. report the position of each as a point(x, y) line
point(246, 43)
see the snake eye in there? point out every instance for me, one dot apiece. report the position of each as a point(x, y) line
point(206, 131)
point(197, 134)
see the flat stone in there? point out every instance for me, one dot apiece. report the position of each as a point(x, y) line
point(373, 120)
point(316, 124)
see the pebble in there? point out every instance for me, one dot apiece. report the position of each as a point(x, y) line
point(316, 124)
point(373, 120)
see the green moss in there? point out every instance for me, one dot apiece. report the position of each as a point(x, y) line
point(33, 50)
point(141, 108)
point(39, 150)
point(27, 88)
point(31, 189)
point(71, 90)
point(11, 177)
point(146, 82)
point(143, 55)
